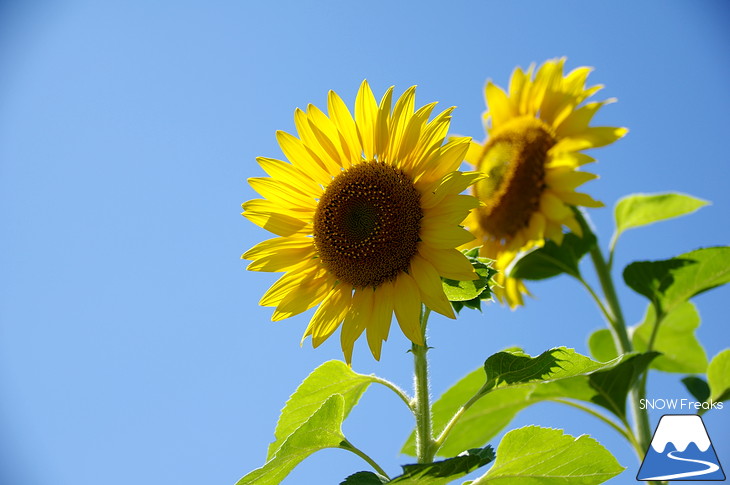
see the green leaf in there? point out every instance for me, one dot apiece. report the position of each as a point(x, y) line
point(445, 471)
point(642, 209)
point(699, 388)
point(718, 376)
point(364, 478)
point(675, 339)
point(612, 386)
point(534, 455)
point(333, 377)
point(607, 388)
point(602, 345)
point(322, 430)
point(510, 379)
point(671, 282)
point(516, 367)
point(552, 260)
point(470, 293)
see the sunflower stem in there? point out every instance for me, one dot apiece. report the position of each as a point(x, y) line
point(425, 449)
point(617, 323)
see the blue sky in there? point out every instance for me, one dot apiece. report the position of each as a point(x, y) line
point(132, 349)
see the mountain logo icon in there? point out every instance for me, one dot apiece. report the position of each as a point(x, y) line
point(681, 450)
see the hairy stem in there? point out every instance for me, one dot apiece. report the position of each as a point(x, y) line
point(425, 449)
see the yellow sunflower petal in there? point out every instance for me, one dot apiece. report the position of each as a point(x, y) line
point(366, 112)
point(566, 179)
point(283, 260)
point(286, 172)
point(302, 158)
point(429, 284)
point(356, 320)
point(329, 315)
point(275, 220)
point(379, 324)
point(281, 193)
point(450, 263)
point(440, 236)
point(407, 307)
point(593, 137)
point(311, 291)
point(500, 107)
point(345, 125)
point(286, 284)
point(578, 199)
point(553, 208)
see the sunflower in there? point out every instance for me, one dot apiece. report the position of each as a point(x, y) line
point(536, 133)
point(367, 212)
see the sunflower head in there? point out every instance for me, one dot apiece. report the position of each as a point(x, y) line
point(366, 211)
point(536, 132)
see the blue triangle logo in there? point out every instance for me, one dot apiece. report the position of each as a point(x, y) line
point(681, 450)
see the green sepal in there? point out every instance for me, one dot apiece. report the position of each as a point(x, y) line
point(531, 455)
point(553, 259)
point(470, 293)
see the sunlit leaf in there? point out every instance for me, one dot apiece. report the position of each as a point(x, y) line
point(607, 388)
point(675, 339)
point(642, 209)
point(602, 345)
point(671, 282)
point(332, 377)
point(718, 376)
point(534, 455)
point(321, 430)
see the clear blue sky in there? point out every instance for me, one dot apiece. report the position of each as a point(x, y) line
point(132, 349)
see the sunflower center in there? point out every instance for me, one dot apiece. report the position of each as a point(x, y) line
point(514, 158)
point(366, 224)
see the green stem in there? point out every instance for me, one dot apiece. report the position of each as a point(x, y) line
point(346, 445)
point(400, 392)
point(456, 417)
point(621, 337)
point(425, 449)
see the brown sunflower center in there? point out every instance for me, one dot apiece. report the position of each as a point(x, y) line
point(366, 224)
point(514, 158)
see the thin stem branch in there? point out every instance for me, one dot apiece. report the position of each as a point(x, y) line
point(400, 392)
point(456, 417)
point(424, 437)
point(346, 445)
